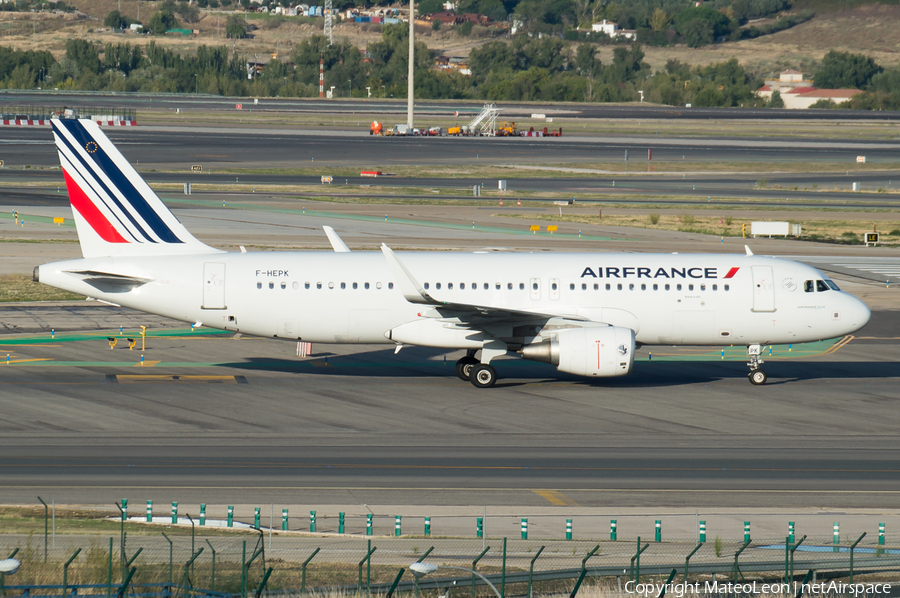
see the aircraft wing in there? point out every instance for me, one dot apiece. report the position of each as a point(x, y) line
point(467, 313)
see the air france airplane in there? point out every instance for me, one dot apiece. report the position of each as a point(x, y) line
point(585, 313)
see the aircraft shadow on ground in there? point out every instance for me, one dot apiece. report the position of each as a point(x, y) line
point(419, 362)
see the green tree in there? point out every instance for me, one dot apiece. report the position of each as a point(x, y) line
point(161, 21)
point(845, 70)
point(235, 28)
point(436, 25)
point(464, 29)
point(659, 21)
point(114, 20)
point(83, 54)
point(775, 101)
point(697, 33)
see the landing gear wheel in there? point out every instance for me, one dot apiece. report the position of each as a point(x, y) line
point(757, 377)
point(464, 367)
point(483, 376)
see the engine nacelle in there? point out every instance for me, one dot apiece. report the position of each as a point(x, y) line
point(601, 351)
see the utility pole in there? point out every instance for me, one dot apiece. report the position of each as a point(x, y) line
point(412, 65)
point(321, 75)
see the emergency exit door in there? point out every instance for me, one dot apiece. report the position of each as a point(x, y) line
point(214, 285)
point(763, 288)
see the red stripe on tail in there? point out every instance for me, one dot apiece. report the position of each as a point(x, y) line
point(89, 212)
point(732, 272)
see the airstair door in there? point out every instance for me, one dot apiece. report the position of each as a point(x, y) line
point(763, 289)
point(214, 285)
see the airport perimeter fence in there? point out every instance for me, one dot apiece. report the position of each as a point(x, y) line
point(155, 562)
point(42, 113)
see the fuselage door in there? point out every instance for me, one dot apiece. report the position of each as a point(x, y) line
point(554, 289)
point(535, 286)
point(763, 288)
point(213, 285)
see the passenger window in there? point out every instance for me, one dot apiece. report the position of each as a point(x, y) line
point(390, 285)
point(808, 286)
point(534, 286)
point(667, 286)
point(715, 287)
point(486, 286)
point(553, 286)
point(449, 286)
point(509, 286)
point(306, 285)
point(426, 286)
point(596, 287)
point(583, 286)
point(821, 286)
point(343, 285)
point(318, 285)
point(462, 286)
point(678, 287)
point(377, 285)
point(355, 286)
point(296, 285)
point(366, 285)
point(702, 287)
point(631, 286)
point(283, 285)
point(643, 286)
point(497, 286)
point(259, 285)
point(655, 287)
point(608, 286)
point(330, 285)
point(437, 285)
point(690, 287)
point(474, 286)
point(521, 286)
point(571, 286)
point(619, 286)
point(726, 287)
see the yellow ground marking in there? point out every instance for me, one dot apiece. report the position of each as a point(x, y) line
point(128, 378)
point(556, 498)
point(146, 364)
point(840, 344)
point(12, 361)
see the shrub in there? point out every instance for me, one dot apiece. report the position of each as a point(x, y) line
point(653, 218)
point(895, 232)
point(729, 220)
point(849, 236)
point(717, 546)
point(688, 219)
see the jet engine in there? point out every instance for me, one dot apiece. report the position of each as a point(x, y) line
point(601, 351)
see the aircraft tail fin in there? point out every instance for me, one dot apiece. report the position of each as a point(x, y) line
point(116, 213)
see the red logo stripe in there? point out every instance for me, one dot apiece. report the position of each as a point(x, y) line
point(89, 211)
point(732, 272)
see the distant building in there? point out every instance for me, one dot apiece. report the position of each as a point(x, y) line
point(612, 30)
point(798, 92)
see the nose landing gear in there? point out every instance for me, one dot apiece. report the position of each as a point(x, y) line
point(756, 375)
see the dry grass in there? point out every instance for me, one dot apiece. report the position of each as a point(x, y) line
point(16, 287)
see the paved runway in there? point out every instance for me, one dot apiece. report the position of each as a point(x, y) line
point(360, 424)
point(448, 107)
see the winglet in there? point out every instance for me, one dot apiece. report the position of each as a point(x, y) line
point(409, 286)
point(747, 249)
point(336, 242)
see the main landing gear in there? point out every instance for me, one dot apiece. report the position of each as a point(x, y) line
point(756, 375)
point(479, 371)
point(481, 375)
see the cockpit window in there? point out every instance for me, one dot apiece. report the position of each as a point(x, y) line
point(821, 286)
point(833, 286)
point(809, 287)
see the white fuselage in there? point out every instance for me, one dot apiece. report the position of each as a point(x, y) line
point(355, 298)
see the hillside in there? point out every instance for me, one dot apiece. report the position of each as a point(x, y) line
point(867, 28)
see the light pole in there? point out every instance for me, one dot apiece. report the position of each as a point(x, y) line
point(349, 88)
point(383, 92)
point(7, 567)
point(196, 92)
point(420, 570)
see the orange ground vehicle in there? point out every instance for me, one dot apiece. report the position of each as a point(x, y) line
point(375, 128)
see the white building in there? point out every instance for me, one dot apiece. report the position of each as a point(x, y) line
point(612, 30)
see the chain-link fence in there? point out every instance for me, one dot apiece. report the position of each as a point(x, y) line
point(241, 563)
point(38, 112)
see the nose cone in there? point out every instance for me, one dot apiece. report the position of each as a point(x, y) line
point(856, 314)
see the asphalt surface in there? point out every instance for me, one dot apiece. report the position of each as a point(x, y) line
point(444, 107)
point(248, 420)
